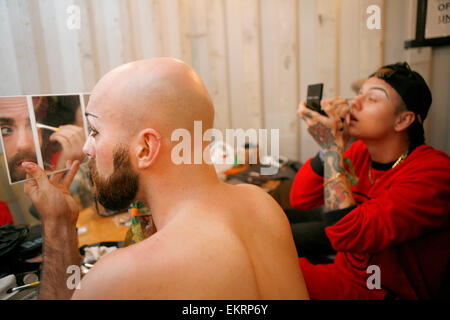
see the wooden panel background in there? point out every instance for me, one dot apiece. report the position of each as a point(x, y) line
point(255, 56)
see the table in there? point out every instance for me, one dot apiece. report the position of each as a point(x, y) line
point(100, 228)
point(278, 185)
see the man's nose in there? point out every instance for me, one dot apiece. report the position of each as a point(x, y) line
point(25, 140)
point(88, 149)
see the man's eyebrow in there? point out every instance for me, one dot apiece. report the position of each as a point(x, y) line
point(381, 89)
point(6, 120)
point(87, 114)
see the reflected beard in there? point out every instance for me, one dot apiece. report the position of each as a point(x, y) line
point(119, 190)
point(14, 164)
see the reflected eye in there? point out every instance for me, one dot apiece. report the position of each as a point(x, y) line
point(6, 131)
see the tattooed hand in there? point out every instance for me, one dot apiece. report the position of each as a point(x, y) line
point(331, 133)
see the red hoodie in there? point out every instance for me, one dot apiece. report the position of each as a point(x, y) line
point(400, 224)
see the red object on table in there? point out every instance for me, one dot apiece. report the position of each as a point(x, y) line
point(5, 214)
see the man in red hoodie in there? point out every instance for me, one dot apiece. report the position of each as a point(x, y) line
point(386, 198)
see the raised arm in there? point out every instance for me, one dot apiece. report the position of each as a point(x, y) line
point(331, 135)
point(59, 213)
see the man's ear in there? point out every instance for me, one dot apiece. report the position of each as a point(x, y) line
point(147, 148)
point(404, 120)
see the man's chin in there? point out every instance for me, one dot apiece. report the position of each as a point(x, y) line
point(18, 175)
point(114, 203)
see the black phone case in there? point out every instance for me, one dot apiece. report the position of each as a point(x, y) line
point(314, 97)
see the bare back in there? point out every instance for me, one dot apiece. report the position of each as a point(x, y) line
point(235, 244)
point(264, 229)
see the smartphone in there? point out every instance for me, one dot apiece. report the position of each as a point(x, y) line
point(314, 97)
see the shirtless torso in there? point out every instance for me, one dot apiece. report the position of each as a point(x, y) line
point(223, 248)
point(214, 240)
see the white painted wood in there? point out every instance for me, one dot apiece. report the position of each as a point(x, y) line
point(420, 59)
point(128, 52)
point(140, 27)
point(173, 29)
point(439, 114)
point(349, 46)
point(218, 63)
point(39, 46)
point(102, 53)
point(308, 68)
point(395, 32)
point(242, 23)
point(115, 44)
point(327, 62)
point(240, 48)
point(318, 57)
point(87, 51)
point(179, 18)
point(145, 26)
point(371, 41)
point(9, 73)
point(53, 47)
point(23, 40)
point(199, 40)
point(207, 36)
point(438, 134)
point(69, 42)
point(279, 61)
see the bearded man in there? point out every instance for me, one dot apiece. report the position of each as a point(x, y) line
point(213, 240)
point(17, 135)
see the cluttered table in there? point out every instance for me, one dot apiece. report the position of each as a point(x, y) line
point(94, 228)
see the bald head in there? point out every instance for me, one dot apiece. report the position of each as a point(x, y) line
point(132, 113)
point(161, 93)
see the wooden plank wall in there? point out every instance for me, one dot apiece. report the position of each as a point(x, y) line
point(255, 56)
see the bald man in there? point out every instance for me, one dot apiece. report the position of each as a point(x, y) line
point(214, 241)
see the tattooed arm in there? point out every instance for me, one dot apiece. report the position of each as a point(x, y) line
point(330, 133)
point(337, 192)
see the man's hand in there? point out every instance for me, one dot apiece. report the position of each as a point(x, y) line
point(51, 197)
point(59, 214)
point(71, 138)
point(330, 132)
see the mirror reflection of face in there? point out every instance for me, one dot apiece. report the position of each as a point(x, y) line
point(17, 135)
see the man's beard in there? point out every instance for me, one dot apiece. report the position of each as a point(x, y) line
point(118, 190)
point(15, 163)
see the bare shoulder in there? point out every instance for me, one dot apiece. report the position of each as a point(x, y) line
point(260, 213)
point(264, 228)
point(109, 276)
point(135, 272)
point(259, 202)
point(174, 264)
point(255, 194)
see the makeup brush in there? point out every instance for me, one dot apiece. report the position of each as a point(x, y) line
point(44, 126)
point(27, 286)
